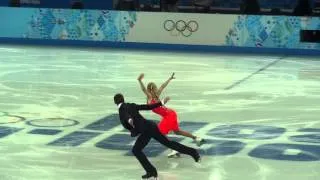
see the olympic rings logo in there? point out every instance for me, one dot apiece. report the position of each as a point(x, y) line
point(7, 118)
point(185, 28)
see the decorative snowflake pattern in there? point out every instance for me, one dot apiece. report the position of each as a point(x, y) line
point(80, 25)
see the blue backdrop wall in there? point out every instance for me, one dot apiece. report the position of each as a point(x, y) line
point(164, 30)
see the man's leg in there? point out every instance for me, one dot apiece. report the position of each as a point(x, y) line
point(141, 142)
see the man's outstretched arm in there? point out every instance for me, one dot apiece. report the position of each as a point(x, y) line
point(152, 106)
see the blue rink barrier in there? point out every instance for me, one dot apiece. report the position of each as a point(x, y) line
point(161, 47)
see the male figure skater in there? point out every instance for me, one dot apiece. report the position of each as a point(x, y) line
point(133, 121)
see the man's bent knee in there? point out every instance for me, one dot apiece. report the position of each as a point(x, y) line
point(135, 151)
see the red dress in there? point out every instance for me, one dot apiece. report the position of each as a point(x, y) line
point(169, 121)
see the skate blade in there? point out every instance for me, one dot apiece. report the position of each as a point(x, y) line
point(174, 156)
point(151, 178)
point(202, 142)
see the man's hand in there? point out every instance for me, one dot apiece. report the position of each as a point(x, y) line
point(131, 122)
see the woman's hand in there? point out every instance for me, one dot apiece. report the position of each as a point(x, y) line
point(172, 76)
point(141, 76)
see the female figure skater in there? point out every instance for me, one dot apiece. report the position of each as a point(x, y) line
point(169, 121)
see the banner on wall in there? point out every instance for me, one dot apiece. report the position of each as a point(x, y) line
point(150, 27)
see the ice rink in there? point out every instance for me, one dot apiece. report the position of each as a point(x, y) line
point(260, 115)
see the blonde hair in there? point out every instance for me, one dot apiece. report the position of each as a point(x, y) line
point(153, 90)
